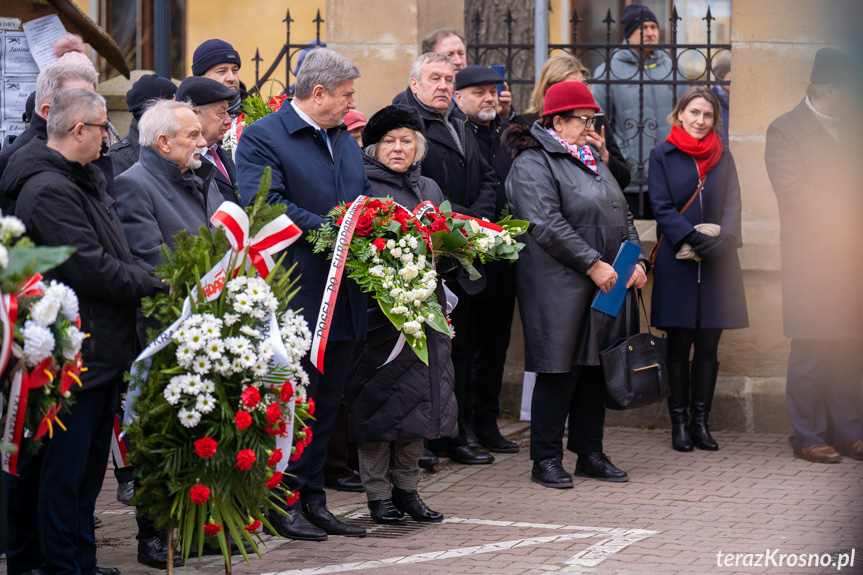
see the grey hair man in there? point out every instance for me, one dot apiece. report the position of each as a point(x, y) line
point(454, 160)
point(50, 81)
point(168, 189)
point(315, 164)
point(62, 199)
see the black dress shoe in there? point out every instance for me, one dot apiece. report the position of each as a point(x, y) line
point(466, 455)
point(97, 523)
point(107, 571)
point(125, 492)
point(296, 526)
point(319, 516)
point(410, 503)
point(471, 437)
point(428, 459)
point(599, 466)
point(492, 440)
point(384, 512)
point(153, 552)
point(352, 483)
point(550, 473)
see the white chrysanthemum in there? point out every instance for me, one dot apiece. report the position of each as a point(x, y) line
point(214, 348)
point(195, 339)
point(222, 366)
point(237, 345)
point(66, 298)
point(45, 311)
point(265, 351)
point(261, 368)
point(237, 366)
point(250, 331)
point(243, 305)
point(193, 321)
point(12, 226)
point(76, 338)
point(38, 343)
point(192, 384)
point(185, 354)
point(173, 393)
point(205, 403)
point(231, 318)
point(237, 284)
point(211, 328)
point(208, 386)
point(189, 417)
point(248, 359)
point(201, 364)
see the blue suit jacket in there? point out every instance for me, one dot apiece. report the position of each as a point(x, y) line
point(309, 183)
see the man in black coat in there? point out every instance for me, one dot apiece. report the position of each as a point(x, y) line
point(210, 101)
point(62, 199)
point(144, 92)
point(455, 162)
point(493, 308)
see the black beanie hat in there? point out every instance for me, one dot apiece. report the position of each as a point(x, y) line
point(831, 67)
point(213, 52)
point(29, 107)
point(634, 16)
point(148, 87)
point(390, 118)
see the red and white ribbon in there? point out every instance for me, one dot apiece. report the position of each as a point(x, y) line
point(118, 448)
point(331, 290)
point(9, 315)
point(17, 406)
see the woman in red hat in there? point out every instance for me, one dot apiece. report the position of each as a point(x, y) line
point(579, 219)
point(698, 285)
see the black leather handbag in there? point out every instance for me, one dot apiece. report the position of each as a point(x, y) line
point(634, 368)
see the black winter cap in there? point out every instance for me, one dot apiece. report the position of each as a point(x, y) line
point(390, 118)
point(831, 67)
point(634, 16)
point(148, 87)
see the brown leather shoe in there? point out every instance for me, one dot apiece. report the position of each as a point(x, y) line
point(852, 448)
point(821, 453)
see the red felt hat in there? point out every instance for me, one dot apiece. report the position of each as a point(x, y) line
point(565, 96)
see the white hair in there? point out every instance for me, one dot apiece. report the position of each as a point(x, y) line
point(160, 118)
point(51, 80)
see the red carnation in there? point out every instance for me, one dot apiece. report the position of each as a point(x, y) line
point(380, 244)
point(375, 204)
point(439, 226)
point(274, 413)
point(251, 397)
point(287, 392)
point(310, 409)
point(297, 451)
point(253, 527)
point(278, 428)
point(274, 480)
point(243, 419)
point(401, 216)
point(211, 528)
point(275, 457)
point(199, 493)
point(292, 498)
point(340, 220)
point(206, 447)
point(245, 459)
point(306, 435)
point(365, 223)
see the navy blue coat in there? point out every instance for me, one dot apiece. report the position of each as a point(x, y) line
point(672, 179)
point(309, 183)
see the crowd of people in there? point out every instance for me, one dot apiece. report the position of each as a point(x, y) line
point(454, 136)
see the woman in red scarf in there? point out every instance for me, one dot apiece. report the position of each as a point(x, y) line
point(698, 285)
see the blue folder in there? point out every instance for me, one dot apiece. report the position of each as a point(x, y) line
point(624, 264)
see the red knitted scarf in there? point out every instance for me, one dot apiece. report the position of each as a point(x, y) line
point(706, 151)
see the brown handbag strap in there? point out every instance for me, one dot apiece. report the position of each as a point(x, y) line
point(655, 251)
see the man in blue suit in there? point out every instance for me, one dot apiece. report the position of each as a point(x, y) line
point(316, 164)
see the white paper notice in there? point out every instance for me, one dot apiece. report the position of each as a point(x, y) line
point(17, 60)
point(41, 35)
point(15, 94)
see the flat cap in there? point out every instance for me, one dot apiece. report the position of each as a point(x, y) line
point(201, 91)
point(474, 75)
point(147, 88)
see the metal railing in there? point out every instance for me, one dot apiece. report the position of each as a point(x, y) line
point(288, 53)
point(634, 130)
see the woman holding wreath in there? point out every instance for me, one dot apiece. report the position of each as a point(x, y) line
point(578, 220)
point(698, 285)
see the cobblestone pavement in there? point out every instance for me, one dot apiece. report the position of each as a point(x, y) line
point(676, 514)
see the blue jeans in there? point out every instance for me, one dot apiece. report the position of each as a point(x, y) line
point(51, 502)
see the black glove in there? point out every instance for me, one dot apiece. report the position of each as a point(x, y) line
point(716, 247)
point(695, 239)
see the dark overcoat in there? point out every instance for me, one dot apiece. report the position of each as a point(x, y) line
point(63, 203)
point(404, 399)
point(310, 183)
point(820, 203)
point(673, 179)
point(126, 152)
point(577, 218)
point(227, 187)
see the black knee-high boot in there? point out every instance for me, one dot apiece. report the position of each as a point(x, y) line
point(678, 406)
point(703, 386)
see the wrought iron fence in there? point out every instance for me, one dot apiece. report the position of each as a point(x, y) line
point(635, 130)
point(288, 53)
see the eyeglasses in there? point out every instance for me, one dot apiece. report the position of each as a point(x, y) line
point(106, 126)
point(589, 121)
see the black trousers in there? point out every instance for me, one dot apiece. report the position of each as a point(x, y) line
point(341, 364)
point(578, 394)
point(823, 390)
point(493, 315)
point(342, 458)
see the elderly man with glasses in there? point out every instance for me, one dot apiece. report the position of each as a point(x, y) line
point(61, 197)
